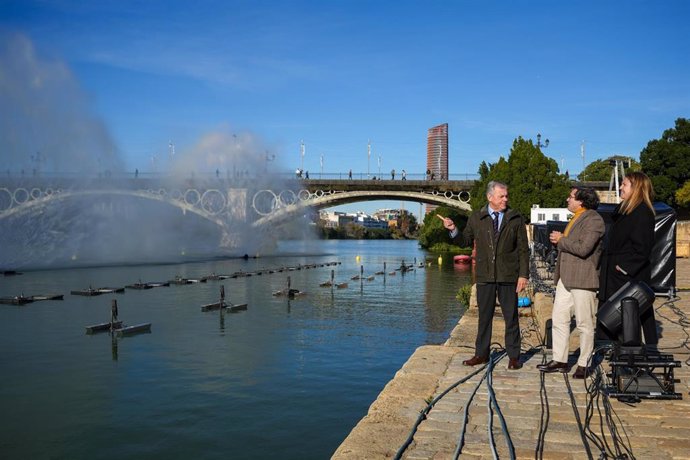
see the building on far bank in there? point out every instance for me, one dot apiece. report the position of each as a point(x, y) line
point(539, 215)
point(335, 219)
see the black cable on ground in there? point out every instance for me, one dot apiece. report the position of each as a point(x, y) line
point(596, 391)
point(427, 409)
point(573, 403)
point(683, 322)
point(461, 438)
point(501, 418)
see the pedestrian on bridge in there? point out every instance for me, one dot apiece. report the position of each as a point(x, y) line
point(502, 267)
point(404, 175)
point(349, 175)
point(392, 174)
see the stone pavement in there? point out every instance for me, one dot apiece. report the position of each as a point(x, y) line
point(650, 429)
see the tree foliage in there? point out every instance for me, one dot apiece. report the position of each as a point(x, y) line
point(532, 178)
point(667, 161)
point(600, 170)
point(433, 232)
point(406, 225)
point(683, 195)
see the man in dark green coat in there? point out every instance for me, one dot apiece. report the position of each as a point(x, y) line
point(502, 268)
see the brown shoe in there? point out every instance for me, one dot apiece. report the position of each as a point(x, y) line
point(581, 372)
point(473, 361)
point(514, 364)
point(553, 366)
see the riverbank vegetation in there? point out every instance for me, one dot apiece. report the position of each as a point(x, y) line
point(435, 238)
point(405, 227)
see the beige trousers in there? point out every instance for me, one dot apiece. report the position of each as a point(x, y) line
point(583, 304)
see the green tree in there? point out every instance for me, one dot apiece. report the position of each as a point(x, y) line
point(667, 161)
point(407, 224)
point(600, 170)
point(683, 195)
point(355, 231)
point(532, 178)
point(433, 232)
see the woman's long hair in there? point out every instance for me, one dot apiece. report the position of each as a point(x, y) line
point(642, 191)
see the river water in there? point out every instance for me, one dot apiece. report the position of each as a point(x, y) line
point(285, 379)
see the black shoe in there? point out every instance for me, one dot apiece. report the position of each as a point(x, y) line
point(581, 372)
point(473, 361)
point(553, 366)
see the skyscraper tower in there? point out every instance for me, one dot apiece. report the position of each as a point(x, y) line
point(437, 154)
point(437, 151)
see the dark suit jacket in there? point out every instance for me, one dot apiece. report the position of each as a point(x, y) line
point(502, 259)
point(630, 243)
point(580, 251)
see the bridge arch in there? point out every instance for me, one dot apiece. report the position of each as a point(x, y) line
point(200, 207)
point(330, 199)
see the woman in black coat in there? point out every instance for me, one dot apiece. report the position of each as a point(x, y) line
point(630, 243)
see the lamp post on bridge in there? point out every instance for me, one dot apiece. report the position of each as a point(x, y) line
point(37, 159)
point(539, 144)
point(379, 166)
point(268, 158)
point(321, 173)
point(368, 158)
point(301, 151)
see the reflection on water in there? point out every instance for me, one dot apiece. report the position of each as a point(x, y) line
point(286, 378)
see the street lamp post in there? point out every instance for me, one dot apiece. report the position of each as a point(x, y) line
point(234, 157)
point(379, 166)
point(368, 158)
point(268, 157)
point(321, 162)
point(301, 164)
point(539, 144)
point(37, 159)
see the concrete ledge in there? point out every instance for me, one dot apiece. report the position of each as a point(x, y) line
point(391, 417)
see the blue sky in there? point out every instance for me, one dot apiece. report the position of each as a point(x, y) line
point(336, 74)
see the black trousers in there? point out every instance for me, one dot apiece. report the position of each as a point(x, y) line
point(486, 301)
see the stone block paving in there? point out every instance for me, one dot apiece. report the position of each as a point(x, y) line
point(650, 429)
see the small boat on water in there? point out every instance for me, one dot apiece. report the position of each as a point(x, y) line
point(289, 292)
point(131, 330)
point(237, 307)
point(90, 292)
point(16, 300)
point(462, 259)
point(224, 305)
point(341, 285)
point(37, 298)
point(103, 327)
point(180, 281)
point(139, 286)
point(215, 277)
point(110, 290)
point(155, 284)
point(11, 273)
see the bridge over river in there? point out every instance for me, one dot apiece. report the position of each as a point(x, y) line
point(257, 201)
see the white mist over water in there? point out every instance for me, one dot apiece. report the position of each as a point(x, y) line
point(49, 129)
point(47, 124)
